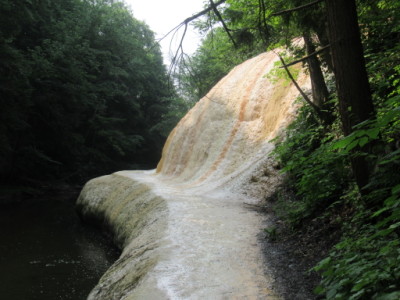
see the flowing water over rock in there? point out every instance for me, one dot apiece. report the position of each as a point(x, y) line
point(185, 228)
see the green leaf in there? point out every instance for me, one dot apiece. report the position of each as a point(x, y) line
point(319, 290)
point(331, 294)
point(389, 296)
point(363, 141)
point(343, 143)
point(396, 189)
point(379, 212)
point(373, 133)
point(352, 145)
point(323, 264)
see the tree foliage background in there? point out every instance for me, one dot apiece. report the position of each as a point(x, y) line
point(83, 91)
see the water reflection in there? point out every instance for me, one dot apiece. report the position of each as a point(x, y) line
point(47, 253)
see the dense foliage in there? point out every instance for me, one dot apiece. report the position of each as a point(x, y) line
point(83, 91)
point(365, 264)
point(322, 156)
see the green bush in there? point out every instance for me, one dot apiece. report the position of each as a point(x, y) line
point(365, 264)
point(318, 174)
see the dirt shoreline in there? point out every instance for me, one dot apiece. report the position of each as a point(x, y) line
point(291, 254)
point(288, 265)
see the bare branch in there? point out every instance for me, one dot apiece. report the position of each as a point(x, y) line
point(308, 100)
point(215, 10)
point(296, 8)
point(179, 53)
point(307, 57)
point(203, 12)
point(190, 19)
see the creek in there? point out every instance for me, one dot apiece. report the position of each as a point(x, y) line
point(47, 253)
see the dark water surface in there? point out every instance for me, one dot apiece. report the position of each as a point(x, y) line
point(46, 253)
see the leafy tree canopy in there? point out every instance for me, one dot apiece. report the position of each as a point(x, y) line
point(83, 90)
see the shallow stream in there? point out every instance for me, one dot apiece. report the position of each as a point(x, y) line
point(47, 253)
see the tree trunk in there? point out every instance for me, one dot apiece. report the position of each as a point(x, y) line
point(319, 90)
point(355, 102)
point(322, 34)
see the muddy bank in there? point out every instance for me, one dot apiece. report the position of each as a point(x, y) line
point(290, 254)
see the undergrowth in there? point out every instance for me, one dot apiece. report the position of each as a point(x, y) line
point(317, 175)
point(365, 263)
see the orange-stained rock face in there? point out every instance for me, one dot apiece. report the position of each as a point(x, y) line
point(184, 230)
point(230, 125)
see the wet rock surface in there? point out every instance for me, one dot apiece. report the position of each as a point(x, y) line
point(187, 229)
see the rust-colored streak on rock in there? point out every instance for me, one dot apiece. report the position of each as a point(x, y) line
point(236, 127)
point(175, 151)
point(164, 152)
point(229, 125)
point(179, 148)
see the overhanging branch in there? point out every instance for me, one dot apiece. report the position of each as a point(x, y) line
point(214, 8)
point(179, 53)
point(296, 8)
point(190, 19)
point(306, 98)
point(307, 57)
point(203, 12)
